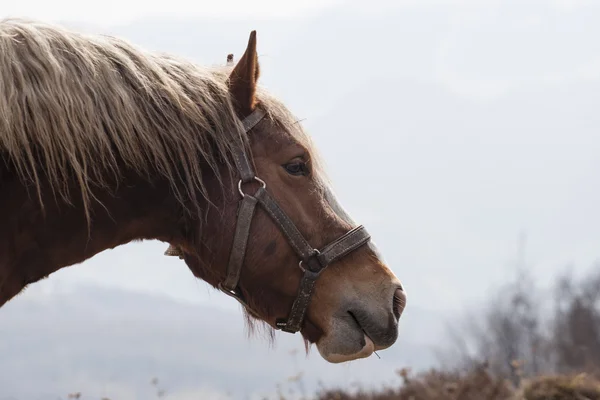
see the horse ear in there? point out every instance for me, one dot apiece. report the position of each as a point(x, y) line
point(243, 78)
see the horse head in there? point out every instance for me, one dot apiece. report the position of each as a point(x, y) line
point(281, 244)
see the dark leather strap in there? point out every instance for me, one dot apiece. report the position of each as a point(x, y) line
point(330, 253)
point(243, 165)
point(344, 245)
point(240, 240)
point(239, 154)
point(251, 120)
point(297, 241)
point(316, 261)
point(294, 321)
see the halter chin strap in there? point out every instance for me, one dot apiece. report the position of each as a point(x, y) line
point(312, 261)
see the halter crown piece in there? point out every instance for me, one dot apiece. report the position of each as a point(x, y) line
point(311, 261)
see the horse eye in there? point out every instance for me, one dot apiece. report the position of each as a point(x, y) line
point(296, 168)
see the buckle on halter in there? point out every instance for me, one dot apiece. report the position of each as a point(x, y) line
point(257, 179)
point(313, 264)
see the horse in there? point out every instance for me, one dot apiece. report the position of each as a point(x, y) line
point(104, 143)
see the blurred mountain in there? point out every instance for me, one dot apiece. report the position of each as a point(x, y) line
point(110, 342)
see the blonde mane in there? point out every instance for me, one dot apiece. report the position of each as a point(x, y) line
point(75, 106)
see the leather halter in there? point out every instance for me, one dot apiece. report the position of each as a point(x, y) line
point(312, 261)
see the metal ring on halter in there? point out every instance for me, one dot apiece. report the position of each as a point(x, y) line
point(257, 179)
point(230, 293)
point(314, 254)
point(221, 288)
point(301, 267)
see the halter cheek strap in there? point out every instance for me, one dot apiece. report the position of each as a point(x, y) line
point(311, 261)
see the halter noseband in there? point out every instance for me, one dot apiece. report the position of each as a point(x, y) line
point(312, 261)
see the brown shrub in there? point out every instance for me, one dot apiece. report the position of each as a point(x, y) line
point(477, 385)
point(560, 387)
point(434, 385)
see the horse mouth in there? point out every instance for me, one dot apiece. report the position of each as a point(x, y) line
point(380, 335)
point(359, 326)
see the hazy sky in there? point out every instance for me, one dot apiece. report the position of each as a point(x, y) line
point(109, 12)
point(476, 58)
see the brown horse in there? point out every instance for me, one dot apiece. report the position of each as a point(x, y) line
point(103, 143)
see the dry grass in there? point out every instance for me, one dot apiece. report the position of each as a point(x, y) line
point(476, 385)
point(577, 387)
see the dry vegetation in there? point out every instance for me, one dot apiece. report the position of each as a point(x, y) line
point(478, 384)
point(526, 344)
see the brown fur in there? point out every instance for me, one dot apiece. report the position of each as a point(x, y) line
point(103, 143)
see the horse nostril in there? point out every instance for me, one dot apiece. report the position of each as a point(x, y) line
point(399, 302)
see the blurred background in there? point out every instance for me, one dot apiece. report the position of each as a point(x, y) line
point(463, 134)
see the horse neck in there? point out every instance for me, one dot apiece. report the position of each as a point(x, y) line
point(36, 243)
